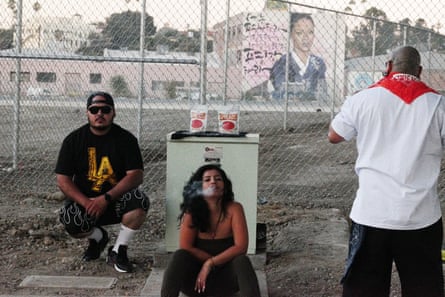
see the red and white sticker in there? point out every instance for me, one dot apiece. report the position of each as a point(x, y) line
point(228, 119)
point(198, 118)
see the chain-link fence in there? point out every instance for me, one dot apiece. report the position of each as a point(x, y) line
point(177, 54)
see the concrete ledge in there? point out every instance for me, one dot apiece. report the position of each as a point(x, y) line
point(153, 285)
point(48, 281)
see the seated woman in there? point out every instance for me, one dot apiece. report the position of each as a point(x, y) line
point(213, 240)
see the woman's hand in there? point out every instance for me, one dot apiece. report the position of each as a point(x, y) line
point(200, 284)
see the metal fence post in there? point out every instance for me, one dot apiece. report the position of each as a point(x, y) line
point(286, 88)
point(141, 77)
point(203, 68)
point(226, 50)
point(16, 136)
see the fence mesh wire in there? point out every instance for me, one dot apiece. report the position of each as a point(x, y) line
point(155, 65)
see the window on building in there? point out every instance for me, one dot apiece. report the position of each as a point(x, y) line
point(177, 83)
point(24, 76)
point(46, 77)
point(95, 78)
point(157, 85)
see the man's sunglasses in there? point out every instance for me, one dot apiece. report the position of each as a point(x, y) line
point(105, 109)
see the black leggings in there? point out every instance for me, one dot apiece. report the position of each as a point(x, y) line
point(224, 280)
point(76, 220)
point(416, 254)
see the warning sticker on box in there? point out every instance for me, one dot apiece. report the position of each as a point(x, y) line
point(213, 154)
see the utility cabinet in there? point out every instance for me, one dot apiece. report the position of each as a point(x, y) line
point(238, 157)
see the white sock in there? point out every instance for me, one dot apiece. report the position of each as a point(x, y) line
point(96, 234)
point(124, 237)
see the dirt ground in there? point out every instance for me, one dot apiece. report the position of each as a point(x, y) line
point(305, 251)
point(307, 227)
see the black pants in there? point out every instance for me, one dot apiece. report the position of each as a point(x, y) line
point(416, 254)
point(76, 220)
point(224, 280)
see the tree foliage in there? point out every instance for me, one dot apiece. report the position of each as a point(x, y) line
point(423, 37)
point(95, 47)
point(361, 41)
point(122, 30)
point(177, 41)
point(119, 86)
point(12, 5)
point(389, 35)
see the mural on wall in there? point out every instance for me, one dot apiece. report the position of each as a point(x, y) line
point(306, 70)
point(314, 42)
point(263, 44)
point(359, 81)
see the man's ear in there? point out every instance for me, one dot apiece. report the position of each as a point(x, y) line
point(420, 71)
point(388, 68)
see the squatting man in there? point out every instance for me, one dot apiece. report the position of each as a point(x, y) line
point(99, 170)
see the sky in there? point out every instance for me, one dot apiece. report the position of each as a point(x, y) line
point(185, 14)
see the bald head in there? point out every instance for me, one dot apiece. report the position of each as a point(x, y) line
point(406, 59)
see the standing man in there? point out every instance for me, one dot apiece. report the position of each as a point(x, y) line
point(99, 169)
point(399, 125)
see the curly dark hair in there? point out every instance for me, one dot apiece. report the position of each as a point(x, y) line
point(193, 198)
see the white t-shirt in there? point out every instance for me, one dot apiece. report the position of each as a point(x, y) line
point(400, 147)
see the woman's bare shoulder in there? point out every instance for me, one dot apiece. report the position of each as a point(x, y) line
point(235, 207)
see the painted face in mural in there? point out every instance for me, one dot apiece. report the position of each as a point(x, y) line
point(303, 35)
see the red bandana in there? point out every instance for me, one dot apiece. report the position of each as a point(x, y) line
point(405, 86)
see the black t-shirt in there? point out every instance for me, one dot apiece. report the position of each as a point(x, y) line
point(97, 163)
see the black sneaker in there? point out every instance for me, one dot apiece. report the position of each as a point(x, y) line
point(119, 260)
point(96, 248)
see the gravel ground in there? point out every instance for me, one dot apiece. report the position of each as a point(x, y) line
point(305, 250)
point(305, 216)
